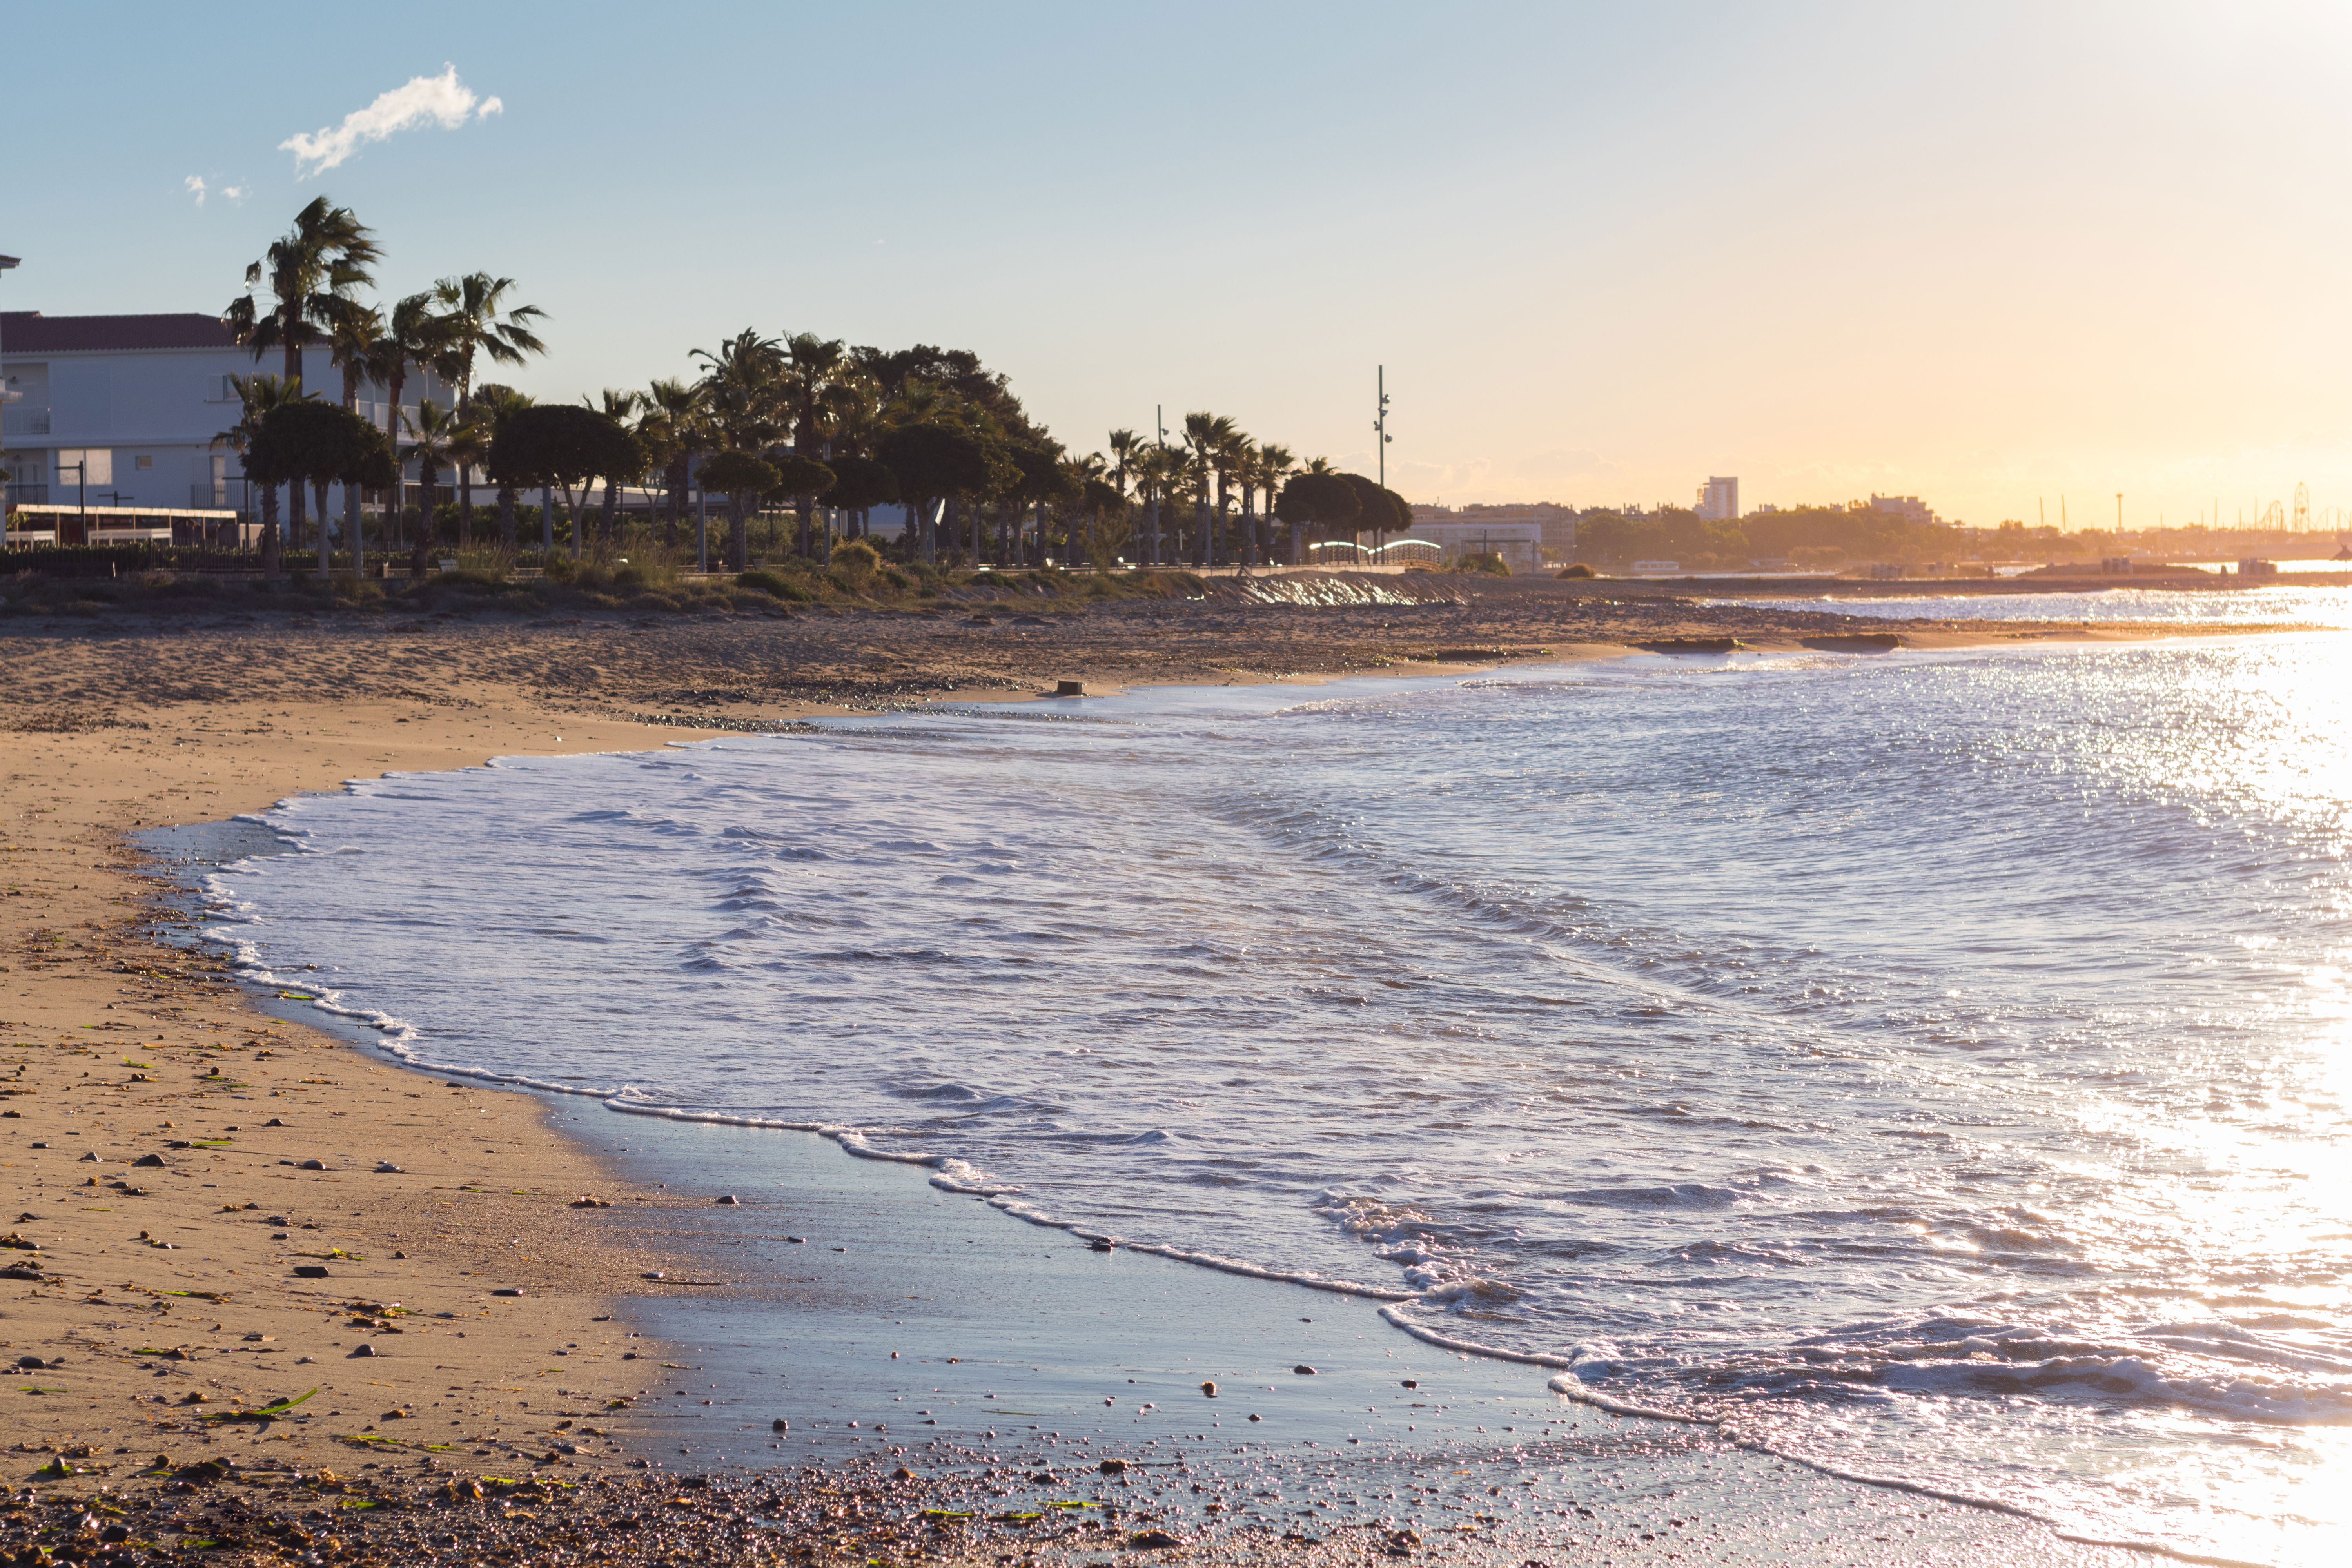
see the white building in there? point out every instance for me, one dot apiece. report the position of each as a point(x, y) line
point(1911, 509)
point(1554, 528)
point(1720, 498)
point(123, 410)
point(1520, 544)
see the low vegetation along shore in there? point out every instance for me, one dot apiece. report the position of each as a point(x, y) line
point(265, 1292)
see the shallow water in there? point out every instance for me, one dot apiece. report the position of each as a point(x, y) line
point(2283, 606)
point(1929, 1066)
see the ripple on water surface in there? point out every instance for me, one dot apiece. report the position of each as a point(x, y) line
point(1929, 1066)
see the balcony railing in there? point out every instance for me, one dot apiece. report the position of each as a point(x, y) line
point(28, 495)
point(24, 421)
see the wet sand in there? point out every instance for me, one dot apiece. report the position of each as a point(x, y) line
point(124, 1046)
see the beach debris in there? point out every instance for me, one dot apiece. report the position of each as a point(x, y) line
point(727, 1199)
point(273, 1121)
point(653, 1274)
point(35, 1363)
point(310, 1271)
point(1099, 1243)
point(1069, 689)
point(20, 1272)
point(362, 1350)
point(1113, 1467)
point(796, 1240)
point(1413, 1383)
point(94, 1160)
point(1303, 1369)
point(1153, 1540)
point(902, 1474)
point(306, 1165)
point(588, 1203)
point(506, 1290)
point(386, 1168)
point(14, 1240)
point(1210, 1389)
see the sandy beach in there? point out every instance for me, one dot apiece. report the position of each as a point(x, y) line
point(215, 1207)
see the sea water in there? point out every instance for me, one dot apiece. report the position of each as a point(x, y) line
point(1930, 1067)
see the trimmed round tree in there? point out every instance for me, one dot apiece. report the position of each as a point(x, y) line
point(1325, 503)
point(802, 479)
point(932, 462)
point(860, 485)
point(744, 477)
point(552, 444)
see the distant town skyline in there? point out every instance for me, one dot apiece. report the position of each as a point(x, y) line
point(1990, 258)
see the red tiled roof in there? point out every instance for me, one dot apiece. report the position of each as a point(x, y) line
point(30, 332)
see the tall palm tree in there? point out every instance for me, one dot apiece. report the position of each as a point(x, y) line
point(674, 428)
point(256, 397)
point(493, 403)
point(353, 341)
point(1124, 445)
point(814, 366)
point(479, 322)
point(310, 273)
point(620, 406)
point(1275, 464)
point(413, 339)
point(430, 431)
point(1206, 437)
point(467, 445)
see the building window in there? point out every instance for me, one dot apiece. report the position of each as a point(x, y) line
point(143, 463)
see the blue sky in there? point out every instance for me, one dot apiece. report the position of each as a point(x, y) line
point(1989, 254)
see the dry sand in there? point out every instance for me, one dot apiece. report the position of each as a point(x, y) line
point(167, 1293)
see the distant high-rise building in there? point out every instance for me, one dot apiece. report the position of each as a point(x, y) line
point(1911, 509)
point(1719, 498)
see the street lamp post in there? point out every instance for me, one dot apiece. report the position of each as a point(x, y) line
point(1381, 425)
point(6, 262)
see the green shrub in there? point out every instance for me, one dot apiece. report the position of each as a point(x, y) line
point(776, 585)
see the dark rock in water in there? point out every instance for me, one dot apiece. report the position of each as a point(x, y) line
point(729, 1199)
point(902, 1474)
point(310, 1271)
point(1303, 1369)
point(1413, 1383)
point(1210, 1389)
point(796, 1240)
point(780, 1425)
point(1113, 1467)
point(1099, 1243)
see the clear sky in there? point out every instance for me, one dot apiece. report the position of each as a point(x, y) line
point(1990, 254)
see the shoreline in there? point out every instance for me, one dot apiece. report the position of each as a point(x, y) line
point(461, 722)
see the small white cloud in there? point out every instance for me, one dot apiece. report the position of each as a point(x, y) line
point(441, 100)
point(196, 183)
point(237, 193)
point(490, 106)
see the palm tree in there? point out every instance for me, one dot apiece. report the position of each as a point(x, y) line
point(478, 321)
point(352, 342)
point(814, 367)
point(431, 430)
point(311, 274)
point(1274, 463)
point(257, 396)
point(413, 339)
point(493, 405)
point(468, 444)
point(675, 429)
point(1206, 437)
point(1124, 445)
point(620, 406)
